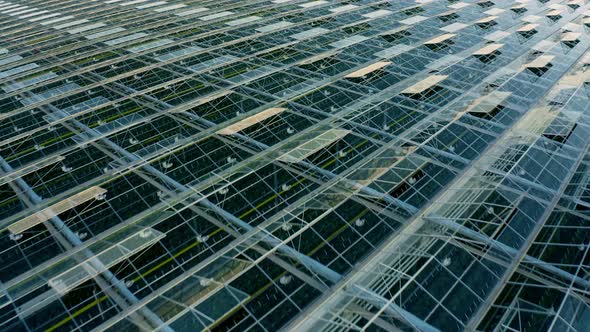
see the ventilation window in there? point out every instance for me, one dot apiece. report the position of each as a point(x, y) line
point(527, 30)
point(488, 53)
point(448, 16)
point(440, 42)
point(395, 34)
point(540, 65)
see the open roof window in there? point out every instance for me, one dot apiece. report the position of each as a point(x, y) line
point(485, 3)
point(448, 16)
point(574, 4)
point(540, 65)
point(519, 9)
point(560, 130)
point(383, 5)
point(570, 39)
point(368, 71)
point(321, 62)
point(396, 34)
point(486, 22)
point(408, 182)
point(321, 21)
point(560, 96)
point(527, 30)
point(440, 42)
point(488, 52)
point(356, 28)
point(310, 147)
point(287, 54)
point(488, 106)
point(250, 121)
point(554, 15)
point(414, 10)
point(56, 209)
point(224, 105)
point(425, 87)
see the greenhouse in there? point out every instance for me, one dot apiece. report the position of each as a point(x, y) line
point(295, 165)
